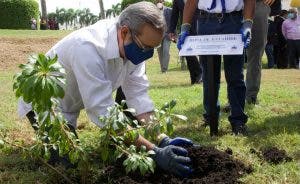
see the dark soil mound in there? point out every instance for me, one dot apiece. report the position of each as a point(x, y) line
point(210, 166)
point(275, 156)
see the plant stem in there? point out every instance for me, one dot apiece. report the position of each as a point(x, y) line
point(123, 150)
point(55, 170)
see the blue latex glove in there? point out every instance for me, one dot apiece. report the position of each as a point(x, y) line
point(173, 159)
point(246, 32)
point(177, 141)
point(185, 31)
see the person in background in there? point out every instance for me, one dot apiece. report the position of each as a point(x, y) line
point(291, 31)
point(271, 39)
point(256, 49)
point(280, 45)
point(33, 24)
point(43, 24)
point(51, 24)
point(223, 17)
point(56, 24)
point(194, 65)
point(164, 49)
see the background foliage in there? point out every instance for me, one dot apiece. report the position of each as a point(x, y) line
point(16, 14)
point(125, 3)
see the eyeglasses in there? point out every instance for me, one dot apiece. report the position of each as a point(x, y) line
point(141, 45)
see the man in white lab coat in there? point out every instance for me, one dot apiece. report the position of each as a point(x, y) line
point(100, 58)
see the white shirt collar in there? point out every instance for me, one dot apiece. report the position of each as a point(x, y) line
point(112, 48)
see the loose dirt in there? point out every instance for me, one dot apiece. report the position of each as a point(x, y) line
point(210, 166)
point(14, 51)
point(275, 156)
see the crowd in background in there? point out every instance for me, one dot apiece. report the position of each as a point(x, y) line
point(280, 49)
point(50, 23)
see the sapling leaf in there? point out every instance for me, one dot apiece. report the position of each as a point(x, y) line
point(151, 152)
point(169, 124)
point(181, 117)
point(131, 110)
point(1, 143)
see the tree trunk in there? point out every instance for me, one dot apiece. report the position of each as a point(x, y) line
point(44, 9)
point(102, 12)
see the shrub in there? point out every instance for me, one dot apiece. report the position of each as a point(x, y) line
point(16, 14)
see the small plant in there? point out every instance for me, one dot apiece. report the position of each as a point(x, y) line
point(119, 134)
point(41, 83)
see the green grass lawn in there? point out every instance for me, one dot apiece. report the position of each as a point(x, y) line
point(274, 122)
point(8, 33)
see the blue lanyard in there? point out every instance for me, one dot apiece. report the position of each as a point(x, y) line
point(214, 5)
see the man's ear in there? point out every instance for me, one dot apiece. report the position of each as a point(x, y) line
point(124, 32)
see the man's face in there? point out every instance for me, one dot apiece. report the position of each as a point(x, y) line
point(292, 14)
point(148, 38)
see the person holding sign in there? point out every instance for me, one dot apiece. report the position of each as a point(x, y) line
point(222, 17)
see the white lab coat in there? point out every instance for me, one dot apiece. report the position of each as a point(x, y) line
point(231, 5)
point(94, 69)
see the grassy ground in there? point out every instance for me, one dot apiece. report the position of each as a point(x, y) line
point(8, 33)
point(274, 122)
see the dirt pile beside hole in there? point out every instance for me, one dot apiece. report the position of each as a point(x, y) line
point(210, 166)
point(275, 156)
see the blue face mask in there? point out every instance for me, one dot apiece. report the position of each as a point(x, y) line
point(291, 16)
point(136, 54)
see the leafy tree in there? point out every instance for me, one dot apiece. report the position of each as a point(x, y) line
point(114, 11)
point(125, 3)
point(73, 17)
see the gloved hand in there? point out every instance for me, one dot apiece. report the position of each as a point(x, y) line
point(184, 32)
point(246, 32)
point(177, 141)
point(173, 159)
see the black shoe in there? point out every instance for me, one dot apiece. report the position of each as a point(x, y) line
point(252, 101)
point(197, 81)
point(239, 130)
point(226, 108)
point(205, 123)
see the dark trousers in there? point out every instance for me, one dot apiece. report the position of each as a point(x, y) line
point(233, 66)
point(119, 97)
point(193, 63)
point(269, 50)
point(195, 68)
point(293, 53)
point(280, 55)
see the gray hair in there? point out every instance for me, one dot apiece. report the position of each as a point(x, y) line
point(138, 14)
